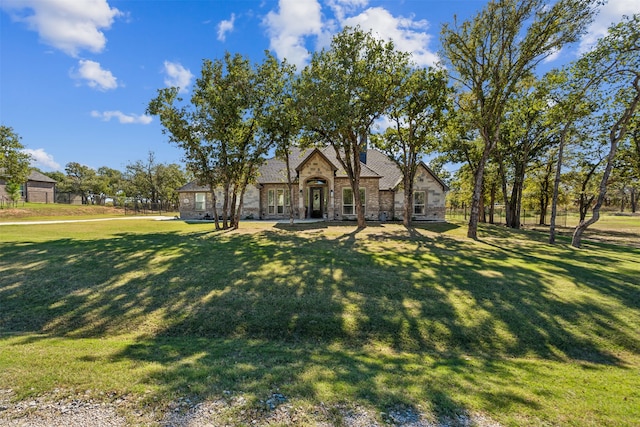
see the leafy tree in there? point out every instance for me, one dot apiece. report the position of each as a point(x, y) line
point(81, 180)
point(205, 158)
point(418, 116)
point(14, 162)
point(491, 54)
point(539, 183)
point(61, 180)
point(344, 90)
point(219, 132)
point(154, 182)
point(108, 183)
point(616, 58)
point(524, 137)
point(169, 178)
point(629, 164)
point(281, 125)
point(585, 169)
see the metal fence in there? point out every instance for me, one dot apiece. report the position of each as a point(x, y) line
point(137, 207)
point(528, 217)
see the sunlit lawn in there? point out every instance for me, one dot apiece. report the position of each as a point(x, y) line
point(508, 326)
point(57, 211)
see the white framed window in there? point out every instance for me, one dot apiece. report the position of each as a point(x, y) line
point(348, 202)
point(278, 201)
point(200, 201)
point(271, 201)
point(419, 202)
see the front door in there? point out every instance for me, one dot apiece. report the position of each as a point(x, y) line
point(316, 202)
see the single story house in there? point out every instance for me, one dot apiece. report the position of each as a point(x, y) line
point(38, 188)
point(322, 190)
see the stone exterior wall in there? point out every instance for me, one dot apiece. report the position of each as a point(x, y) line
point(250, 207)
point(264, 200)
point(372, 198)
point(387, 207)
point(315, 167)
point(318, 178)
point(434, 204)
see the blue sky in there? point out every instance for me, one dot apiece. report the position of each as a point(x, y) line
point(76, 75)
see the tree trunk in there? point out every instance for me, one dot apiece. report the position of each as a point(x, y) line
point(225, 206)
point(407, 211)
point(492, 203)
point(289, 187)
point(357, 200)
point(556, 187)
point(505, 198)
point(516, 195)
point(618, 132)
point(543, 211)
point(236, 217)
point(633, 200)
point(476, 197)
point(215, 208)
point(232, 209)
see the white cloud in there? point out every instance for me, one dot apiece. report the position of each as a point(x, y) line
point(407, 34)
point(68, 25)
point(177, 76)
point(225, 27)
point(296, 20)
point(610, 13)
point(42, 159)
point(95, 76)
point(122, 118)
point(288, 28)
point(343, 7)
point(555, 54)
point(382, 124)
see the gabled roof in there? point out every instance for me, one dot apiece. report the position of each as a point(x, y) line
point(378, 165)
point(445, 187)
point(194, 186)
point(34, 175)
point(390, 173)
point(321, 154)
point(273, 171)
point(40, 177)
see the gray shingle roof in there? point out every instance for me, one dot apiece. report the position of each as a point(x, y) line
point(273, 170)
point(39, 177)
point(193, 186)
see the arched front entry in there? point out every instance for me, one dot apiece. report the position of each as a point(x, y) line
point(316, 198)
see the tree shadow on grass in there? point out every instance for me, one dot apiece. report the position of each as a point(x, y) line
point(303, 312)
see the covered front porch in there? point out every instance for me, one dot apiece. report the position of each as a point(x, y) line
point(316, 198)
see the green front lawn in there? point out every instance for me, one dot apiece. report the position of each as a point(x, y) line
point(510, 327)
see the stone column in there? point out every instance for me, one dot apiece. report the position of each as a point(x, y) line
point(301, 210)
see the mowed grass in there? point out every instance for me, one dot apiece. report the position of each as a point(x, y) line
point(522, 332)
point(57, 211)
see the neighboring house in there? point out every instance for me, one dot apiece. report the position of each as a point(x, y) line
point(39, 188)
point(322, 190)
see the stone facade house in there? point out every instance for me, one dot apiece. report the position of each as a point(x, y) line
point(39, 188)
point(322, 190)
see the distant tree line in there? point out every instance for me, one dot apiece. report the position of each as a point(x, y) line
point(143, 181)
